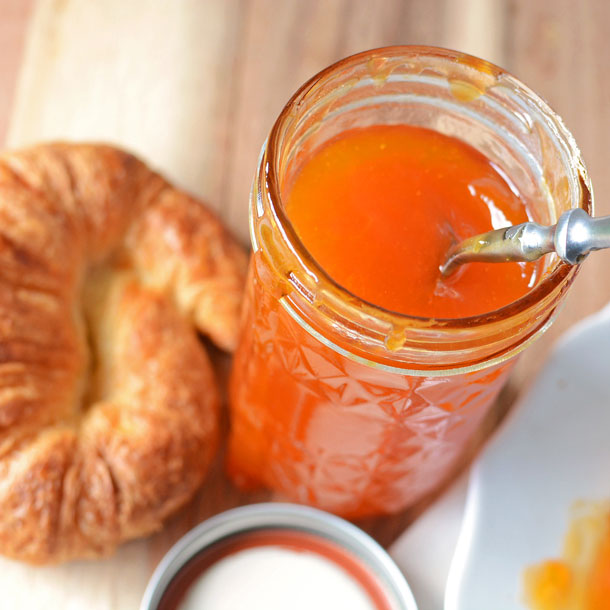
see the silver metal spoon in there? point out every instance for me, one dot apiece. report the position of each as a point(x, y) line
point(572, 238)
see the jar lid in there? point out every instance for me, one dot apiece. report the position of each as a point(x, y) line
point(358, 559)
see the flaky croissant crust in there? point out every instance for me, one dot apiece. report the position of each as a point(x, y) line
point(108, 405)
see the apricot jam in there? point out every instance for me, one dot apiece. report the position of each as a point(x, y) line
point(361, 376)
point(580, 580)
point(379, 208)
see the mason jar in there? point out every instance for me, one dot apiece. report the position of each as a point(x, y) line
point(347, 406)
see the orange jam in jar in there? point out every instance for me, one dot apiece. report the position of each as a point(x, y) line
point(361, 374)
point(379, 208)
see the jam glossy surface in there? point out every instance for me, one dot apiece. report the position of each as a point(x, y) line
point(377, 208)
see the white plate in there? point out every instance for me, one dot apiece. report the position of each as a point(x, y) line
point(553, 451)
point(424, 551)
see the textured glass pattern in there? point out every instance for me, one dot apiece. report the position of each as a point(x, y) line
point(325, 430)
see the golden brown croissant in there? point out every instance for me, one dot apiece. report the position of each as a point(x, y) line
point(108, 405)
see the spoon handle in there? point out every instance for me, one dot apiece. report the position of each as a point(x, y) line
point(577, 234)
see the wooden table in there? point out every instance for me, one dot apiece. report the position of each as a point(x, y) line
point(194, 86)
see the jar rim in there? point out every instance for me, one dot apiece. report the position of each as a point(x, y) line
point(560, 274)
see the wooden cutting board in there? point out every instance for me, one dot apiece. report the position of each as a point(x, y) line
point(151, 77)
point(193, 86)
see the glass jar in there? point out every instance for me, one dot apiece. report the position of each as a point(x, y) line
point(341, 404)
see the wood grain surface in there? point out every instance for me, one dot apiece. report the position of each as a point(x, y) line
point(194, 86)
point(14, 15)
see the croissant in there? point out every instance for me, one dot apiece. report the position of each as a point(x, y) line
point(108, 403)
